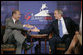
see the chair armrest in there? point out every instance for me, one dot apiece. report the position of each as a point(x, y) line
point(50, 35)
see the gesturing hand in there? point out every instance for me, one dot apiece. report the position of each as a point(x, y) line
point(35, 29)
point(28, 26)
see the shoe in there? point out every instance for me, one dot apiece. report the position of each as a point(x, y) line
point(27, 47)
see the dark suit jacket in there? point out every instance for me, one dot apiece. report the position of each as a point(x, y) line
point(70, 25)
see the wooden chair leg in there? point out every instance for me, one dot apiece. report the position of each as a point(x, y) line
point(14, 51)
point(31, 47)
point(45, 45)
point(25, 51)
point(1, 52)
point(49, 50)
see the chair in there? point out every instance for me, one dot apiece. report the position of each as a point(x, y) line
point(60, 47)
point(9, 47)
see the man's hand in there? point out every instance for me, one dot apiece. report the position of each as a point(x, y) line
point(28, 26)
point(35, 29)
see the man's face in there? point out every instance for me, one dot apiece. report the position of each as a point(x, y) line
point(17, 15)
point(57, 15)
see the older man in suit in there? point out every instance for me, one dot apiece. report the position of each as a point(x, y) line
point(13, 31)
point(63, 28)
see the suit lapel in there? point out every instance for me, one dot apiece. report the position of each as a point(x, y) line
point(56, 25)
point(12, 20)
point(66, 22)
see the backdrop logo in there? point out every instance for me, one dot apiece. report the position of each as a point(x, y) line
point(43, 15)
point(27, 16)
point(42, 11)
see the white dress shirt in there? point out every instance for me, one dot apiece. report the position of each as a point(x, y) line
point(63, 26)
point(13, 20)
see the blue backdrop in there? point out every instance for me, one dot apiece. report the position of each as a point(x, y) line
point(29, 8)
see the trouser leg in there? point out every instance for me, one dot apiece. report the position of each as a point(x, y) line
point(19, 48)
point(19, 40)
point(18, 36)
point(52, 42)
point(67, 41)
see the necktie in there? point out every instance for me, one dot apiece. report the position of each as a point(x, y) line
point(60, 29)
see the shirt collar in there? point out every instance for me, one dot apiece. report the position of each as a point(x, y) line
point(61, 18)
point(13, 19)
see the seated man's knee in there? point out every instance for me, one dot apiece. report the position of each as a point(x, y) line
point(14, 31)
point(18, 43)
point(52, 39)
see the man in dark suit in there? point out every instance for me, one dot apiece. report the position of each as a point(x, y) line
point(63, 28)
point(13, 31)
